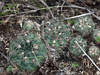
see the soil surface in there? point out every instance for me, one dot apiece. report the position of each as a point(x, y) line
point(61, 61)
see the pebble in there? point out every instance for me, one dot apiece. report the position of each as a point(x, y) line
point(1, 70)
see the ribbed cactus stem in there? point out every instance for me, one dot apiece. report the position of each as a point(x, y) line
point(56, 34)
point(94, 51)
point(74, 48)
point(96, 35)
point(28, 51)
point(84, 25)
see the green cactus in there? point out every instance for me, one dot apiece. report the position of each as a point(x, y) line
point(93, 51)
point(28, 51)
point(84, 25)
point(96, 35)
point(56, 34)
point(28, 25)
point(74, 48)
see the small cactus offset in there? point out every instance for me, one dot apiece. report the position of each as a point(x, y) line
point(56, 34)
point(94, 51)
point(96, 35)
point(84, 25)
point(74, 48)
point(28, 25)
point(27, 51)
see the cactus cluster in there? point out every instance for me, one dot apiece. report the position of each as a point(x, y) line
point(96, 35)
point(84, 25)
point(74, 48)
point(27, 51)
point(28, 25)
point(93, 51)
point(56, 34)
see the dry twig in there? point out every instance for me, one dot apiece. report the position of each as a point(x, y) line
point(9, 60)
point(48, 8)
point(87, 56)
point(77, 16)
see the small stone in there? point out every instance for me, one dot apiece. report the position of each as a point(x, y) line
point(14, 70)
point(1, 39)
point(20, 73)
point(1, 70)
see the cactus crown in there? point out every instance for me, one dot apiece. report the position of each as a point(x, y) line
point(28, 25)
point(28, 51)
point(56, 34)
point(96, 35)
point(84, 24)
point(74, 48)
point(93, 51)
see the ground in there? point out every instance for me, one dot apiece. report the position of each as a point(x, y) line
point(13, 14)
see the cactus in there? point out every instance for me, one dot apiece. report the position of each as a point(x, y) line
point(28, 25)
point(93, 51)
point(84, 25)
point(96, 35)
point(56, 34)
point(74, 48)
point(27, 51)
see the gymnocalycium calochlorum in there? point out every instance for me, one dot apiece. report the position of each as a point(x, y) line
point(84, 25)
point(57, 34)
point(96, 35)
point(94, 51)
point(27, 51)
point(74, 48)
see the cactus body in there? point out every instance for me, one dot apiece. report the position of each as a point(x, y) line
point(93, 51)
point(96, 35)
point(28, 25)
point(84, 25)
point(56, 34)
point(74, 48)
point(27, 51)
